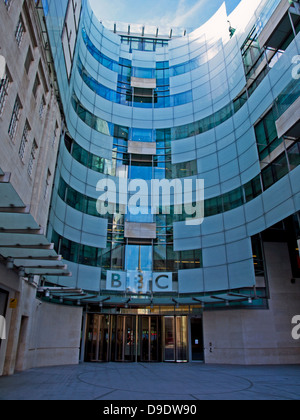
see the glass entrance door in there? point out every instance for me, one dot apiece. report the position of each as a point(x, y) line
point(149, 328)
point(175, 339)
point(169, 339)
point(122, 338)
point(130, 338)
point(181, 339)
point(98, 339)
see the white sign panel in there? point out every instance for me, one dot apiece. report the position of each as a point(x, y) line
point(116, 280)
point(138, 282)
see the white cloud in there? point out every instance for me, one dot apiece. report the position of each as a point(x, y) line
point(151, 12)
point(183, 16)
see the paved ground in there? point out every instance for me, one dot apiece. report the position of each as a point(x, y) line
point(150, 382)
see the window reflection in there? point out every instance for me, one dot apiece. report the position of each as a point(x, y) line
point(141, 172)
point(142, 134)
point(138, 257)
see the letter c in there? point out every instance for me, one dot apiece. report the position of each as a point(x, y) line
point(157, 282)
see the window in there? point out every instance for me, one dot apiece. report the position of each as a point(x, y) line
point(275, 171)
point(213, 206)
point(160, 258)
point(258, 255)
point(54, 134)
point(32, 158)
point(240, 101)
point(62, 189)
point(142, 135)
point(14, 119)
point(20, 31)
point(42, 107)
point(88, 255)
point(36, 85)
point(251, 53)
point(70, 32)
point(139, 257)
point(4, 86)
point(294, 155)
point(190, 259)
point(117, 256)
point(121, 132)
point(69, 250)
point(48, 179)
point(181, 98)
point(181, 170)
point(266, 135)
point(253, 189)
point(142, 97)
point(233, 199)
point(24, 140)
point(75, 200)
point(28, 60)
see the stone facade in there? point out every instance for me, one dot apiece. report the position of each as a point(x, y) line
point(258, 336)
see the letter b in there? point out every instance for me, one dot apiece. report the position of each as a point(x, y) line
point(116, 281)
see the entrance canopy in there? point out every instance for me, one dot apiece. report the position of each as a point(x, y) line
point(23, 244)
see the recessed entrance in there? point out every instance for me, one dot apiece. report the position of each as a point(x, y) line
point(197, 346)
point(136, 338)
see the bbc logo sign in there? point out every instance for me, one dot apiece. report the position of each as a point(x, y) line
point(139, 282)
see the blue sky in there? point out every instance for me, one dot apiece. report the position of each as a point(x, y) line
point(170, 13)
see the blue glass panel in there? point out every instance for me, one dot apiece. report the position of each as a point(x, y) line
point(141, 172)
point(181, 98)
point(143, 73)
point(141, 134)
point(138, 258)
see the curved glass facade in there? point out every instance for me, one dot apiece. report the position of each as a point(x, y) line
point(204, 106)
